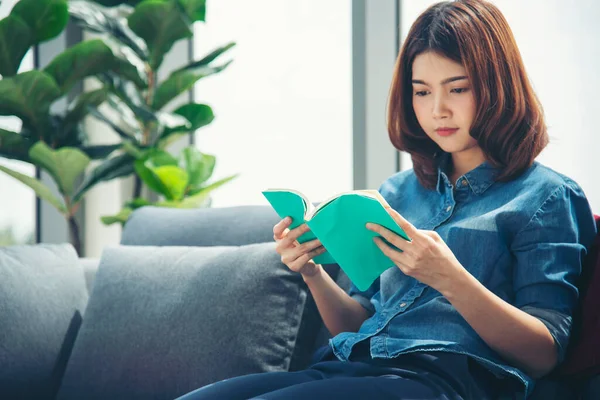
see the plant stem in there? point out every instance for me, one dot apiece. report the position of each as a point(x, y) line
point(73, 226)
point(137, 188)
point(149, 100)
point(74, 233)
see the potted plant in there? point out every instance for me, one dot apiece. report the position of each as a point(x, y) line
point(141, 33)
point(52, 141)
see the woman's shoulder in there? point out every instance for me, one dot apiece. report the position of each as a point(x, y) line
point(543, 181)
point(542, 191)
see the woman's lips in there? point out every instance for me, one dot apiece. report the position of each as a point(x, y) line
point(446, 131)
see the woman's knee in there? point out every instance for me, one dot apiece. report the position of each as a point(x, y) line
point(247, 386)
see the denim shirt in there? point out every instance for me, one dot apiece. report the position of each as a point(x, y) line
point(523, 239)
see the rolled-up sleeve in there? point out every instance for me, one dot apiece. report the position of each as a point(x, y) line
point(549, 252)
point(364, 297)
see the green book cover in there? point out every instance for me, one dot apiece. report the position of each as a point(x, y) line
point(339, 223)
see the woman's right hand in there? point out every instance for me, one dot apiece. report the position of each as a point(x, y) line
point(298, 257)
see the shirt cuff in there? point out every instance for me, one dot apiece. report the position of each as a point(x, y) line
point(559, 325)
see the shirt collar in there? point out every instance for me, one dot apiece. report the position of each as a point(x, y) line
point(479, 178)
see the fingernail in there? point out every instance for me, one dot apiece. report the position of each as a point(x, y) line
point(288, 219)
point(369, 225)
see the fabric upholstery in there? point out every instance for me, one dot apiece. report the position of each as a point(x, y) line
point(162, 321)
point(42, 300)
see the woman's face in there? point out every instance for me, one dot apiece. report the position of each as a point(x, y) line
point(443, 102)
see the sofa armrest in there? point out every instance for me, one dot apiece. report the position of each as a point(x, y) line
point(90, 267)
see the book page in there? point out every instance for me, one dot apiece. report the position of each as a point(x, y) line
point(308, 206)
point(374, 194)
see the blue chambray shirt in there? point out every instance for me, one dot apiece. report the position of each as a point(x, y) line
point(524, 240)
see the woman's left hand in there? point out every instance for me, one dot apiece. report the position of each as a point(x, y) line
point(426, 257)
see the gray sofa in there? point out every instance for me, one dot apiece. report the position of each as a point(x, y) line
point(190, 297)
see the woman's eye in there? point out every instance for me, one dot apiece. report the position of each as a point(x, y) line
point(459, 90)
point(421, 93)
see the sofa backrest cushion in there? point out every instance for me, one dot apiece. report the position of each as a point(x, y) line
point(162, 321)
point(42, 300)
point(229, 226)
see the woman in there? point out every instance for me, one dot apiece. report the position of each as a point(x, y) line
point(480, 303)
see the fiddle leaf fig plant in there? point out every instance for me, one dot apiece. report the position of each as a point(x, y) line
point(182, 181)
point(140, 35)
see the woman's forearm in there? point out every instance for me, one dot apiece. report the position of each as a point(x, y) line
point(340, 312)
point(519, 337)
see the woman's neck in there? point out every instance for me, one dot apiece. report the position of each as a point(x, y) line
point(464, 162)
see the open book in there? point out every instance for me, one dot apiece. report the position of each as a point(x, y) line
point(339, 223)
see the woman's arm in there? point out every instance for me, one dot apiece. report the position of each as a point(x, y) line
point(532, 331)
point(340, 312)
point(517, 336)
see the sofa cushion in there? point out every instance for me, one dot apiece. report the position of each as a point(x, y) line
point(228, 226)
point(42, 299)
point(162, 321)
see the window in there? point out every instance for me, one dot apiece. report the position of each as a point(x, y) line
point(561, 56)
point(17, 201)
point(284, 106)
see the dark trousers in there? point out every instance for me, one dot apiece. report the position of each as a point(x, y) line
point(411, 376)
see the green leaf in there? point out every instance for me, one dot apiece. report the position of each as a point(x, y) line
point(207, 59)
point(199, 197)
point(15, 40)
point(28, 96)
point(133, 150)
point(14, 145)
point(120, 218)
point(78, 108)
point(198, 165)
point(47, 19)
point(113, 168)
point(100, 151)
point(161, 24)
point(125, 69)
point(174, 178)
point(96, 18)
point(159, 158)
point(212, 186)
point(129, 94)
point(82, 60)
point(125, 135)
point(179, 82)
point(64, 165)
point(128, 65)
point(149, 178)
point(144, 168)
point(41, 190)
point(170, 123)
point(198, 115)
point(138, 203)
point(112, 3)
point(194, 9)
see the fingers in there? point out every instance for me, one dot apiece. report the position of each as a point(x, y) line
point(390, 236)
point(404, 224)
point(305, 258)
point(302, 253)
point(280, 227)
point(294, 234)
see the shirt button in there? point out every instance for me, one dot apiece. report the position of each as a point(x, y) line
point(402, 304)
point(463, 182)
point(448, 208)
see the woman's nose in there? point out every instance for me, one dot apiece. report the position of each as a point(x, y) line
point(440, 108)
